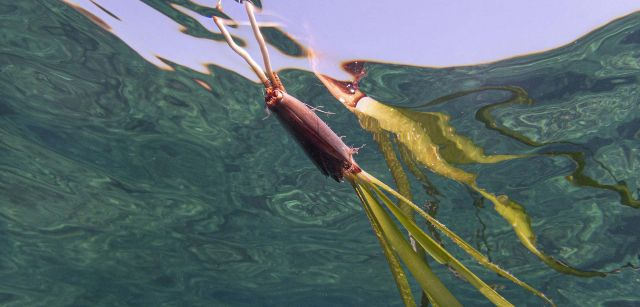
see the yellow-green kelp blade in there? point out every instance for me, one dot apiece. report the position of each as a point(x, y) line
point(518, 219)
point(454, 147)
point(428, 281)
point(397, 272)
point(413, 135)
point(483, 260)
point(436, 250)
point(395, 167)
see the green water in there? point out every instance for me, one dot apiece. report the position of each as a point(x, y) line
point(125, 185)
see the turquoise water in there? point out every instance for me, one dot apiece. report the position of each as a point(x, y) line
point(125, 185)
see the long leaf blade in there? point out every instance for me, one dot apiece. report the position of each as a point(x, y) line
point(428, 281)
point(433, 247)
point(457, 240)
point(397, 272)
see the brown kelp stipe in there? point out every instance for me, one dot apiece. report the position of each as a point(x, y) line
point(335, 159)
point(326, 149)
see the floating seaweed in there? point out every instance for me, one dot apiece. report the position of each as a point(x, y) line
point(428, 139)
point(335, 159)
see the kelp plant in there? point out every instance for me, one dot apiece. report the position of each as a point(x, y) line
point(428, 139)
point(335, 159)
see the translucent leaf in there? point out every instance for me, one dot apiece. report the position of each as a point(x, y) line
point(428, 281)
point(439, 253)
point(412, 132)
point(455, 238)
point(397, 272)
point(518, 219)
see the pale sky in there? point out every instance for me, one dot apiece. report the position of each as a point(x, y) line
point(412, 32)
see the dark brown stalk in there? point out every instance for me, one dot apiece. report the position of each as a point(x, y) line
point(325, 148)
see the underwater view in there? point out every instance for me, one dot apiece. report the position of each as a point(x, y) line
point(129, 182)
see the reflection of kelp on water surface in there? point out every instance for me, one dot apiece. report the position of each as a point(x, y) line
point(429, 139)
point(520, 96)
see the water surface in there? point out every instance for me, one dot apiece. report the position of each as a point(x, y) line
point(122, 184)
